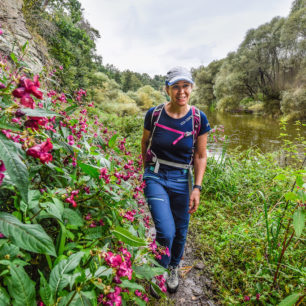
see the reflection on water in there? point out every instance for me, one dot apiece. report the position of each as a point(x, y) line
point(245, 130)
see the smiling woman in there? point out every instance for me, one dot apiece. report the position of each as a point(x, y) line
point(173, 143)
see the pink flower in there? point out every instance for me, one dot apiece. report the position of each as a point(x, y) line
point(1, 32)
point(19, 92)
point(113, 260)
point(137, 293)
point(257, 296)
point(246, 298)
point(114, 298)
point(41, 151)
point(2, 167)
point(35, 122)
point(2, 86)
point(70, 140)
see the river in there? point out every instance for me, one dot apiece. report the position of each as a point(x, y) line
point(245, 130)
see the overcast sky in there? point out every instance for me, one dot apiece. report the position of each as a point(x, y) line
point(154, 35)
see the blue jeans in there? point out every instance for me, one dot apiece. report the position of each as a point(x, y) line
point(167, 195)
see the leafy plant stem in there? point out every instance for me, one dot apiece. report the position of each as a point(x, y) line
point(35, 215)
point(62, 239)
point(285, 246)
point(75, 292)
point(49, 261)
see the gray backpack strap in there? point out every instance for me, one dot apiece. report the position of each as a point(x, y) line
point(196, 126)
point(154, 118)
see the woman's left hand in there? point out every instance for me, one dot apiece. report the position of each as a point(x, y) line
point(194, 200)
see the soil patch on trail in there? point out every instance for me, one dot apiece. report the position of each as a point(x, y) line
point(196, 286)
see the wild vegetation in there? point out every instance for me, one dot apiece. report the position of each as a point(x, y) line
point(72, 221)
point(72, 225)
point(265, 75)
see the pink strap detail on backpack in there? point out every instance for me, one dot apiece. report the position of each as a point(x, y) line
point(175, 131)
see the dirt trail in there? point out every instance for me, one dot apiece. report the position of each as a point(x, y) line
point(196, 288)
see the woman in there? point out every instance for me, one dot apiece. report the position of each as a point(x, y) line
point(170, 146)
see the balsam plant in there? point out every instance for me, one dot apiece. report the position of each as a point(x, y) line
point(72, 224)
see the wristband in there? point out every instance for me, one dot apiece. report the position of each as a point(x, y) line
point(197, 186)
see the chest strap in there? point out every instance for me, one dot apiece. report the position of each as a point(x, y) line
point(183, 134)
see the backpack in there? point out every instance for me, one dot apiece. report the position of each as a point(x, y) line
point(196, 126)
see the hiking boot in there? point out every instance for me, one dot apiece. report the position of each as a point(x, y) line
point(173, 279)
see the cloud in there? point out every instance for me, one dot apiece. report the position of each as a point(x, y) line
point(151, 36)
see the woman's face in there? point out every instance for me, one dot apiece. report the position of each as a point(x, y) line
point(179, 92)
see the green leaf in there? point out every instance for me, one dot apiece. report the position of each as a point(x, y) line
point(55, 210)
point(125, 236)
point(94, 233)
point(9, 126)
point(72, 217)
point(9, 249)
point(291, 196)
point(290, 300)
point(281, 177)
point(147, 271)
point(24, 46)
point(39, 112)
point(4, 297)
point(78, 299)
point(30, 237)
point(21, 287)
point(70, 109)
point(45, 291)
point(112, 141)
point(103, 271)
point(299, 180)
point(14, 58)
point(139, 302)
point(14, 165)
point(58, 279)
point(33, 198)
point(128, 284)
point(92, 171)
point(298, 222)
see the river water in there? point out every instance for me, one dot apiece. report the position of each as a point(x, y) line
point(246, 130)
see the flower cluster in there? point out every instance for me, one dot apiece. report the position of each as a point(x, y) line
point(104, 175)
point(25, 89)
point(129, 215)
point(79, 94)
point(121, 262)
point(158, 251)
point(111, 299)
point(2, 169)
point(70, 199)
point(41, 151)
point(160, 281)
point(143, 296)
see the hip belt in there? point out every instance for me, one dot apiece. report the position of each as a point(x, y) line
point(159, 161)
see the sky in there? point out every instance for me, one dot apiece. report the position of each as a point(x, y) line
point(151, 36)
